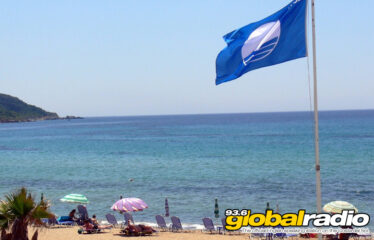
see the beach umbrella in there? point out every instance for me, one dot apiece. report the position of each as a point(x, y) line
point(166, 207)
point(216, 209)
point(75, 198)
point(268, 207)
point(129, 205)
point(338, 207)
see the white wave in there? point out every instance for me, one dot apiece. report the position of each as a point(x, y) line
point(190, 226)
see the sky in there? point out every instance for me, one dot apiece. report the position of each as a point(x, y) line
point(122, 58)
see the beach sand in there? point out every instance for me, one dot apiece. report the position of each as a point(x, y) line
point(72, 233)
point(68, 233)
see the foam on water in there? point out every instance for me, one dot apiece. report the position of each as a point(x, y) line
point(190, 226)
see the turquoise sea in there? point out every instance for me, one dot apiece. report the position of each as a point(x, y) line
point(244, 160)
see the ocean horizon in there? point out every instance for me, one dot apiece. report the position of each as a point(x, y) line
point(243, 159)
point(223, 113)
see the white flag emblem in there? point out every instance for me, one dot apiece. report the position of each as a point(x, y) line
point(261, 42)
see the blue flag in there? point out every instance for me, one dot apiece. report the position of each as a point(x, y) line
point(278, 38)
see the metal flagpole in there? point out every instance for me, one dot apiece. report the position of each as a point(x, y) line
point(316, 136)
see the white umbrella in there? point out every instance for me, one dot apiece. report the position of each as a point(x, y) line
point(338, 207)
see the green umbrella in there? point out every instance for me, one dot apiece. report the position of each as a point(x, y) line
point(216, 209)
point(75, 198)
point(338, 207)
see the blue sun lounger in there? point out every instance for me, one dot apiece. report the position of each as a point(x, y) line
point(176, 224)
point(128, 217)
point(112, 220)
point(161, 222)
point(208, 224)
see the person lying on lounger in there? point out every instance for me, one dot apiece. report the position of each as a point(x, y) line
point(132, 230)
point(90, 228)
point(146, 230)
point(137, 230)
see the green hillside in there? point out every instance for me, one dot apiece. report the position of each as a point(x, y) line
point(13, 109)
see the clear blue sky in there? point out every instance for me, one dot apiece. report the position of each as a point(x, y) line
point(106, 58)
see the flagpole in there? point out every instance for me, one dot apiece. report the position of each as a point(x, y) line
point(316, 135)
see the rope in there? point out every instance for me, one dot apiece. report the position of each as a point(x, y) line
point(308, 64)
point(311, 111)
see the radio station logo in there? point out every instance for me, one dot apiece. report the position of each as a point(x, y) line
point(236, 219)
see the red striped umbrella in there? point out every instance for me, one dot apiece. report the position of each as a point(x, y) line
point(166, 208)
point(129, 205)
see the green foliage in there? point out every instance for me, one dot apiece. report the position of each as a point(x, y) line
point(19, 210)
point(13, 109)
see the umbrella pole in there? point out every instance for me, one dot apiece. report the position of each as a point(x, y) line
point(216, 211)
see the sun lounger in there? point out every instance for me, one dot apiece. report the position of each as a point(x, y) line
point(161, 222)
point(61, 221)
point(49, 222)
point(132, 230)
point(260, 235)
point(91, 229)
point(176, 224)
point(52, 221)
point(292, 235)
point(208, 224)
point(88, 230)
point(359, 236)
point(223, 221)
point(137, 230)
point(280, 234)
point(128, 217)
point(83, 214)
point(112, 220)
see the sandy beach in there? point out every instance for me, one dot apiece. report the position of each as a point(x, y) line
point(63, 233)
point(72, 233)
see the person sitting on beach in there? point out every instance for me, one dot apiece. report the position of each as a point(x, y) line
point(95, 222)
point(88, 227)
point(72, 216)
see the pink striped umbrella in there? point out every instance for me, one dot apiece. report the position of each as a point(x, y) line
point(129, 205)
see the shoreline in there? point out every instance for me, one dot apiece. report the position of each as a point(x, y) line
point(62, 233)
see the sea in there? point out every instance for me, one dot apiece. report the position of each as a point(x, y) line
point(243, 160)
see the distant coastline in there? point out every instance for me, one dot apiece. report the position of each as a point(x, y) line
point(40, 119)
point(14, 110)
